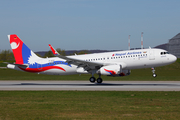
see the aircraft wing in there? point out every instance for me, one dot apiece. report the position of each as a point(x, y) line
point(80, 63)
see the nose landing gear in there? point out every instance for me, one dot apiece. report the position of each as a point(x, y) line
point(153, 71)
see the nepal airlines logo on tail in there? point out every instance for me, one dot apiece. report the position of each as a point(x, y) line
point(21, 52)
point(24, 55)
point(16, 45)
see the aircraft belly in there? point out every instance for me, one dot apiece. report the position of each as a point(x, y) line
point(141, 63)
point(136, 63)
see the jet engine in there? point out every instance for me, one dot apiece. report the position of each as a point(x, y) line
point(123, 73)
point(113, 70)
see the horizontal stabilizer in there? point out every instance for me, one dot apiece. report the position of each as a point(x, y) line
point(19, 65)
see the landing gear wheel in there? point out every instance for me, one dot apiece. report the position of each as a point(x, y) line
point(154, 75)
point(153, 71)
point(92, 79)
point(99, 80)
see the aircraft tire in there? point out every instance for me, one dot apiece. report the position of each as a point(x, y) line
point(92, 79)
point(99, 80)
point(154, 75)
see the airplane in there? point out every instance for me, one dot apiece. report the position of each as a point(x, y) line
point(116, 63)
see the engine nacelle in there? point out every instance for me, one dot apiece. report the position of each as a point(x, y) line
point(81, 70)
point(110, 70)
point(113, 70)
point(123, 73)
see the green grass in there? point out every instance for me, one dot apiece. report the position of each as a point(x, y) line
point(89, 105)
point(73, 105)
point(2, 64)
point(165, 73)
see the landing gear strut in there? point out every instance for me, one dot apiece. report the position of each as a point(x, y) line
point(153, 71)
point(92, 79)
point(99, 80)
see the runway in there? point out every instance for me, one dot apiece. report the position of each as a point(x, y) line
point(87, 86)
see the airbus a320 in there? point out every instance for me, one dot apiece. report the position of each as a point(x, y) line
point(116, 63)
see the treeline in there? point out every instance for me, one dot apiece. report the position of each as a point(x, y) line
point(7, 55)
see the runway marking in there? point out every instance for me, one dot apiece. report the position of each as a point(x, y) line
point(87, 86)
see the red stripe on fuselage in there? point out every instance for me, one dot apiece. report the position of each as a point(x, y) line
point(35, 70)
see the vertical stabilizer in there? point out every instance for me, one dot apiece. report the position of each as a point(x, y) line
point(22, 54)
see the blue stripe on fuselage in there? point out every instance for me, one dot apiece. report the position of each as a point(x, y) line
point(36, 65)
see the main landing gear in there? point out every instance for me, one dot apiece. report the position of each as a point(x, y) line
point(93, 79)
point(153, 71)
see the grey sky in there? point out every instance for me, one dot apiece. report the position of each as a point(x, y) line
point(89, 24)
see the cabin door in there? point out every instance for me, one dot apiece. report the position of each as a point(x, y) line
point(151, 54)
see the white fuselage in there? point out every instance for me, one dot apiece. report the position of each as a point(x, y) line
point(116, 63)
point(130, 59)
point(133, 59)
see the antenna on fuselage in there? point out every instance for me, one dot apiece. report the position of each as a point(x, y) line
point(142, 40)
point(129, 42)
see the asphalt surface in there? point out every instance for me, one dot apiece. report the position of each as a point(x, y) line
point(87, 86)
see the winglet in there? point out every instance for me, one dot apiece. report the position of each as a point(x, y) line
point(53, 50)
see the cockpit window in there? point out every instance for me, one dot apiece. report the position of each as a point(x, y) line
point(163, 53)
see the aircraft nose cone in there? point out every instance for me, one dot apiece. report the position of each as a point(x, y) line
point(173, 58)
